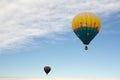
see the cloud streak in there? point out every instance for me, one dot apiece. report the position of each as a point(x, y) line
point(60, 78)
point(22, 20)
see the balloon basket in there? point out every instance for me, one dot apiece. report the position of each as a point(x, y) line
point(86, 47)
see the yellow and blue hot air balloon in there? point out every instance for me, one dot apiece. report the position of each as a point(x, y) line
point(86, 26)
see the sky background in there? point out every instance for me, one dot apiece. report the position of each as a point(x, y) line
point(36, 33)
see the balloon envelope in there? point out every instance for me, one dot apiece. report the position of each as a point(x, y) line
point(47, 69)
point(86, 26)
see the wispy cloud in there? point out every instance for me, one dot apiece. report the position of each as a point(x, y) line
point(22, 20)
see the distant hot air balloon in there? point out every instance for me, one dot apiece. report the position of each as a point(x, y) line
point(86, 26)
point(47, 69)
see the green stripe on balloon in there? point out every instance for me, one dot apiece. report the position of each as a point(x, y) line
point(86, 34)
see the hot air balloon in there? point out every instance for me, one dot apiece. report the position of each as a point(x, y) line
point(47, 69)
point(86, 26)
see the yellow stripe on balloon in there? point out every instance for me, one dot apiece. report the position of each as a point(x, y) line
point(97, 23)
point(84, 22)
point(79, 21)
point(86, 19)
point(93, 21)
point(75, 24)
point(89, 21)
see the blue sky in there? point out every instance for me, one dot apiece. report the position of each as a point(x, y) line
point(36, 33)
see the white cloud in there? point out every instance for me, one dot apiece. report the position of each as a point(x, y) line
point(22, 20)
